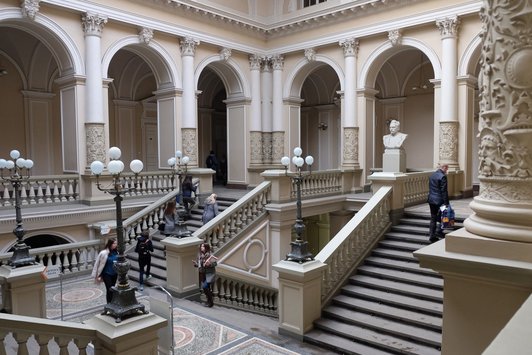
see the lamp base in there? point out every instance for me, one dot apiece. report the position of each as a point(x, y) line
point(21, 256)
point(123, 304)
point(299, 252)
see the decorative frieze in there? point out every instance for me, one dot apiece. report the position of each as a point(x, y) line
point(267, 147)
point(95, 142)
point(277, 146)
point(29, 8)
point(255, 142)
point(448, 26)
point(145, 35)
point(448, 150)
point(350, 46)
point(93, 24)
point(190, 145)
point(188, 45)
point(350, 145)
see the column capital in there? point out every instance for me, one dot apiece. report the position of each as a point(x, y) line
point(29, 8)
point(266, 64)
point(255, 61)
point(448, 26)
point(145, 35)
point(225, 54)
point(93, 24)
point(350, 46)
point(277, 61)
point(188, 46)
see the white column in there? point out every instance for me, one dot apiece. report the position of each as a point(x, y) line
point(188, 50)
point(267, 119)
point(448, 145)
point(277, 108)
point(255, 126)
point(349, 122)
point(94, 116)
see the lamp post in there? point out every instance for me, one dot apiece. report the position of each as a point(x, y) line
point(298, 251)
point(16, 166)
point(179, 168)
point(123, 302)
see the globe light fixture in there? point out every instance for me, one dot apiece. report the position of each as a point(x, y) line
point(298, 252)
point(123, 303)
point(179, 163)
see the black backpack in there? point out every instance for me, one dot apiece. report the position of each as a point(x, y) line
point(143, 248)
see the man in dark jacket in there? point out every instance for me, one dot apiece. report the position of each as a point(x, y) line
point(144, 248)
point(438, 196)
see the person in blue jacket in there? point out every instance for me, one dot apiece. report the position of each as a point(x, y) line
point(438, 196)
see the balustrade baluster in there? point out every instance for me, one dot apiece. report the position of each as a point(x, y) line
point(62, 342)
point(239, 298)
point(22, 340)
point(43, 340)
point(48, 192)
point(23, 194)
point(6, 198)
point(216, 290)
point(3, 336)
point(56, 197)
point(82, 344)
point(31, 195)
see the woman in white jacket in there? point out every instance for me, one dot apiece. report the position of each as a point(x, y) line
point(104, 270)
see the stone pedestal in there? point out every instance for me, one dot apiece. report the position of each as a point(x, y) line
point(23, 291)
point(133, 336)
point(397, 181)
point(394, 161)
point(299, 296)
point(485, 282)
point(181, 275)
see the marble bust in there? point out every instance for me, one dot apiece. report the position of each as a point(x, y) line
point(395, 139)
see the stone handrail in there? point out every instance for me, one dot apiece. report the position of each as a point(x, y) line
point(245, 295)
point(239, 215)
point(42, 189)
point(319, 183)
point(44, 336)
point(416, 188)
point(350, 245)
point(72, 257)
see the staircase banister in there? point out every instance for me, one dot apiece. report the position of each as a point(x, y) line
point(151, 207)
point(26, 324)
point(350, 226)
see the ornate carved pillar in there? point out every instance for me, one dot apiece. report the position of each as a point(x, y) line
point(256, 122)
point(267, 120)
point(448, 148)
point(277, 106)
point(95, 130)
point(503, 209)
point(349, 124)
point(189, 140)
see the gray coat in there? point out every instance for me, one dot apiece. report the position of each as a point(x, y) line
point(209, 212)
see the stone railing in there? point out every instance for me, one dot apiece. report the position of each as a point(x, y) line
point(239, 215)
point(42, 189)
point(72, 257)
point(245, 295)
point(416, 188)
point(29, 335)
point(318, 183)
point(351, 244)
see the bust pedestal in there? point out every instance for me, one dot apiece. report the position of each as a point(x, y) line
point(394, 161)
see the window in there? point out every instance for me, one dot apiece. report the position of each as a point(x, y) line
point(307, 3)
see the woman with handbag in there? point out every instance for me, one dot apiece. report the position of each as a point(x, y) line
point(104, 270)
point(206, 263)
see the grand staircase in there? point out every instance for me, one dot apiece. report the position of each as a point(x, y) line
point(390, 305)
point(158, 259)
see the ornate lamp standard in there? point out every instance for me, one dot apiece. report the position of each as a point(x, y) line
point(21, 255)
point(124, 302)
point(298, 251)
point(179, 168)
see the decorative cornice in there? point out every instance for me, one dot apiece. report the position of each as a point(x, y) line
point(29, 8)
point(145, 35)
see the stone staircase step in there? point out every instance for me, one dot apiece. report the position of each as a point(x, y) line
point(370, 337)
point(383, 325)
point(397, 287)
point(411, 229)
point(422, 240)
point(341, 345)
point(400, 265)
point(383, 310)
point(402, 276)
point(400, 245)
point(424, 223)
point(430, 307)
point(394, 254)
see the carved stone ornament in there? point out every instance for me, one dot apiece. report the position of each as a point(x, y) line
point(190, 145)
point(310, 54)
point(267, 147)
point(277, 61)
point(266, 64)
point(255, 143)
point(225, 54)
point(449, 143)
point(145, 35)
point(95, 142)
point(93, 23)
point(505, 123)
point(448, 26)
point(395, 37)
point(255, 62)
point(350, 46)
point(277, 146)
point(30, 8)
point(350, 145)
point(188, 46)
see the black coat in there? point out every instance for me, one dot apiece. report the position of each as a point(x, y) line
point(438, 194)
point(144, 247)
